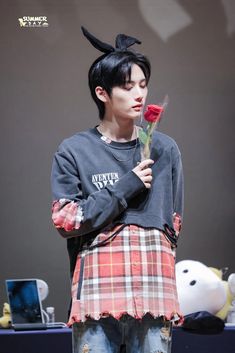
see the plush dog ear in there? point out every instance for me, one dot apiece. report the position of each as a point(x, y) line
point(203, 322)
point(122, 42)
point(98, 44)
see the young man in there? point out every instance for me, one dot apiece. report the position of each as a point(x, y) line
point(120, 215)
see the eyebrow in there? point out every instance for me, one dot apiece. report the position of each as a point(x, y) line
point(140, 81)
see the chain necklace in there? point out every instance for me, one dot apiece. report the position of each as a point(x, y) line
point(107, 141)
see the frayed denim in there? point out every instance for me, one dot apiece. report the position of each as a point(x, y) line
point(127, 335)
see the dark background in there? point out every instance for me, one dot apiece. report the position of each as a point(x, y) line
point(45, 98)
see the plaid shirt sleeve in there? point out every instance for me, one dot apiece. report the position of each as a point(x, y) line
point(67, 215)
point(177, 223)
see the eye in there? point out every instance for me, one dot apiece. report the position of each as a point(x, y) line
point(185, 271)
point(128, 86)
point(192, 283)
point(143, 85)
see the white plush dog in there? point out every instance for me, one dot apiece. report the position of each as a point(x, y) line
point(199, 288)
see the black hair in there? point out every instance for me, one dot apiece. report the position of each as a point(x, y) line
point(114, 70)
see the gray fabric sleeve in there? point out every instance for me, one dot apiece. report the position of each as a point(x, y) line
point(178, 186)
point(101, 207)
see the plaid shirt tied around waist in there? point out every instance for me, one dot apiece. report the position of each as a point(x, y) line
point(133, 273)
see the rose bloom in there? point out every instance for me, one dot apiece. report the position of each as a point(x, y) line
point(153, 113)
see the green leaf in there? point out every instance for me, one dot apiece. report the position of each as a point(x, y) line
point(143, 136)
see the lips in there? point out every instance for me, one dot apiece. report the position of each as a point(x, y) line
point(138, 106)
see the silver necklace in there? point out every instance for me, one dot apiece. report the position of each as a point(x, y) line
point(107, 141)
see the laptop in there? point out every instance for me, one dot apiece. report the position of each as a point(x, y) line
point(26, 307)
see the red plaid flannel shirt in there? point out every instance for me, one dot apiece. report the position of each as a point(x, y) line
point(134, 273)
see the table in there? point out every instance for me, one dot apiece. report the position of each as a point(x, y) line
point(185, 342)
point(59, 341)
point(41, 341)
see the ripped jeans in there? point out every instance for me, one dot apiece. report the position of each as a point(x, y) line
point(127, 335)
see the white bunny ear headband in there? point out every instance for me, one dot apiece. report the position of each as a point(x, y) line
point(121, 44)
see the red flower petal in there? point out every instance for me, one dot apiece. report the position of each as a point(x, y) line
point(153, 113)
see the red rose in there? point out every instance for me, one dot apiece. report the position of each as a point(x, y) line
point(153, 113)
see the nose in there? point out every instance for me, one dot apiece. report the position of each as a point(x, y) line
point(139, 94)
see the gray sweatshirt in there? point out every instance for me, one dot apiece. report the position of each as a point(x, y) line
point(97, 174)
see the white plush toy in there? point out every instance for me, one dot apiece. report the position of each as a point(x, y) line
point(199, 288)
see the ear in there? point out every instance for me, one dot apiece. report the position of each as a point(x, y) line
point(101, 94)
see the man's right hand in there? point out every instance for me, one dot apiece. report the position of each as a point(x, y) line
point(144, 172)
